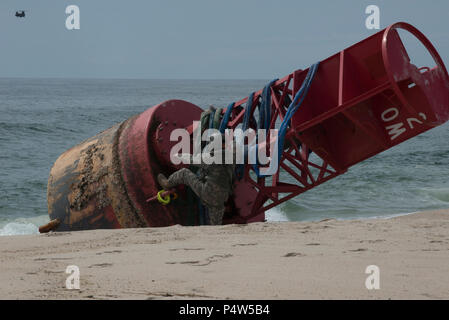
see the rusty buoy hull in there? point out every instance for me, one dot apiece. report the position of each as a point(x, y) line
point(104, 181)
point(85, 187)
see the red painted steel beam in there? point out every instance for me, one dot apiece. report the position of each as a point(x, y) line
point(342, 119)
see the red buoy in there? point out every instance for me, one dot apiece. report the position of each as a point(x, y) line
point(363, 100)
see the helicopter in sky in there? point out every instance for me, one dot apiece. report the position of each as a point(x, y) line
point(20, 14)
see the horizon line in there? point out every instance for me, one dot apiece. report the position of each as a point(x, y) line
point(113, 78)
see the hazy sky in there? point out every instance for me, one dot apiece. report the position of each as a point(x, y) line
point(245, 39)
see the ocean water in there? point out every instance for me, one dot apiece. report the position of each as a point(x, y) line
point(41, 118)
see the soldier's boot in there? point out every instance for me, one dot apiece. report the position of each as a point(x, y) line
point(216, 215)
point(163, 181)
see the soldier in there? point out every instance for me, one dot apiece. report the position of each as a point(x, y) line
point(213, 184)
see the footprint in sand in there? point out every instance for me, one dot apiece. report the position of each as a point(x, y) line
point(43, 259)
point(372, 241)
point(244, 244)
point(113, 251)
point(358, 250)
point(101, 265)
point(207, 261)
point(56, 234)
point(187, 249)
point(294, 254)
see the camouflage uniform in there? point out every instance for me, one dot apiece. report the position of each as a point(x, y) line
point(212, 185)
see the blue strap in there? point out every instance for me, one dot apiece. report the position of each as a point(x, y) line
point(249, 106)
point(240, 168)
point(211, 119)
point(293, 107)
point(202, 210)
point(265, 107)
point(296, 103)
point(204, 214)
point(265, 114)
point(227, 115)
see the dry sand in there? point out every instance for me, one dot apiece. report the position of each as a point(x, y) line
point(288, 260)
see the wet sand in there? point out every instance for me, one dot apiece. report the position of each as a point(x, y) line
point(285, 260)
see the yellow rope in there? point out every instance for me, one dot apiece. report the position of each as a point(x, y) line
point(165, 200)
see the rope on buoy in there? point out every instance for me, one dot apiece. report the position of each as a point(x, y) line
point(165, 200)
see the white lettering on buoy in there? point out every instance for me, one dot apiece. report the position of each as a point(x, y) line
point(411, 120)
point(394, 111)
point(396, 129)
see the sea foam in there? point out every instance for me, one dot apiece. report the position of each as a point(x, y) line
point(21, 226)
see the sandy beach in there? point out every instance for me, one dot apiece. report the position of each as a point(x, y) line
point(285, 260)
